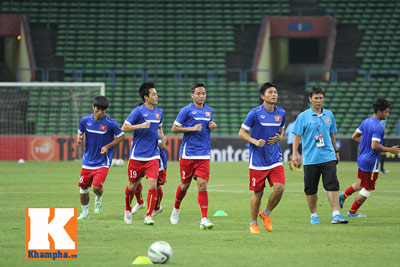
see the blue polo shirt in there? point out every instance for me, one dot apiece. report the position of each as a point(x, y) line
point(308, 125)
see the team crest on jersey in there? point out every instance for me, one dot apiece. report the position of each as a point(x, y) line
point(89, 123)
point(327, 120)
point(194, 112)
point(278, 118)
point(262, 116)
point(145, 114)
point(157, 116)
point(103, 127)
point(208, 114)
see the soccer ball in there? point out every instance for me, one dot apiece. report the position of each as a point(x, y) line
point(160, 252)
point(117, 162)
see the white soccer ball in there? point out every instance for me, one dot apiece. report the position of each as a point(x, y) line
point(160, 252)
point(117, 162)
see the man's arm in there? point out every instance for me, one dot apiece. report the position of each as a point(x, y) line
point(212, 125)
point(356, 136)
point(160, 132)
point(375, 145)
point(130, 128)
point(276, 138)
point(162, 142)
point(117, 140)
point(79, 138)
point(244, 135)
point(295, 146)
point(181, 129)
point(333, 138)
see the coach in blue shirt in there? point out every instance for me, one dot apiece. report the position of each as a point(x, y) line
point(316, 128)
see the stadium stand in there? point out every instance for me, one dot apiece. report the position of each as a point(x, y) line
point(99, 35)
point(378, 51)
point(114, 41)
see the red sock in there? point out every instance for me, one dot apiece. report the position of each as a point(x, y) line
point(151, 201)
point(355, 207)
point(159, 198)
point(138, 194)
point(349, 191)
point(128, 198)
point(179, 197)
point(203, 202)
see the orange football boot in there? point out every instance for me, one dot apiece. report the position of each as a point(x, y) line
point(267, 221)
point(254, 229)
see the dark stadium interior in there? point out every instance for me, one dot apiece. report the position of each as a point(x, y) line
point(175, 43)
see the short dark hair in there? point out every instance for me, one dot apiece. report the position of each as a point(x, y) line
point(101, 102)
point(195, 85)
point(264, 87)
point(144, 89)
point(316, 90)
point(380, 104)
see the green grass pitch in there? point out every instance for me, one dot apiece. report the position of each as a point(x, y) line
point(105, 239)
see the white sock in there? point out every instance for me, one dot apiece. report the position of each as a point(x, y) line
point(335, 212)
point(98, 198)
point(85, 209)
point(314, 214)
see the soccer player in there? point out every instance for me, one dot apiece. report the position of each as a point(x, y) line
point(146, 123)
point(100, 131)
point(162, 179)
point(316, 128)
point(195, 121)
point(370, 136)
point(266, 123)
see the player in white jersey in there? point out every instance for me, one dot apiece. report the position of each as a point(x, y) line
point(195, 121)
point(100, 131)
point(146, 123)
point(266, 123)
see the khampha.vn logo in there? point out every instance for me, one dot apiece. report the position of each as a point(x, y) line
point(50, 233)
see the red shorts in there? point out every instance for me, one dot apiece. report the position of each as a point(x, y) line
point(162, 177)
point(258, 177)
point(98, 177)
point(192, 168)
point(368, 179)
point(138, 169)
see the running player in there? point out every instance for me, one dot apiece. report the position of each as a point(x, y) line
point(162, 179)
point(100, 131)
point(266, 123)
point(146, 123)
point(370, 136)
point(195, 121)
